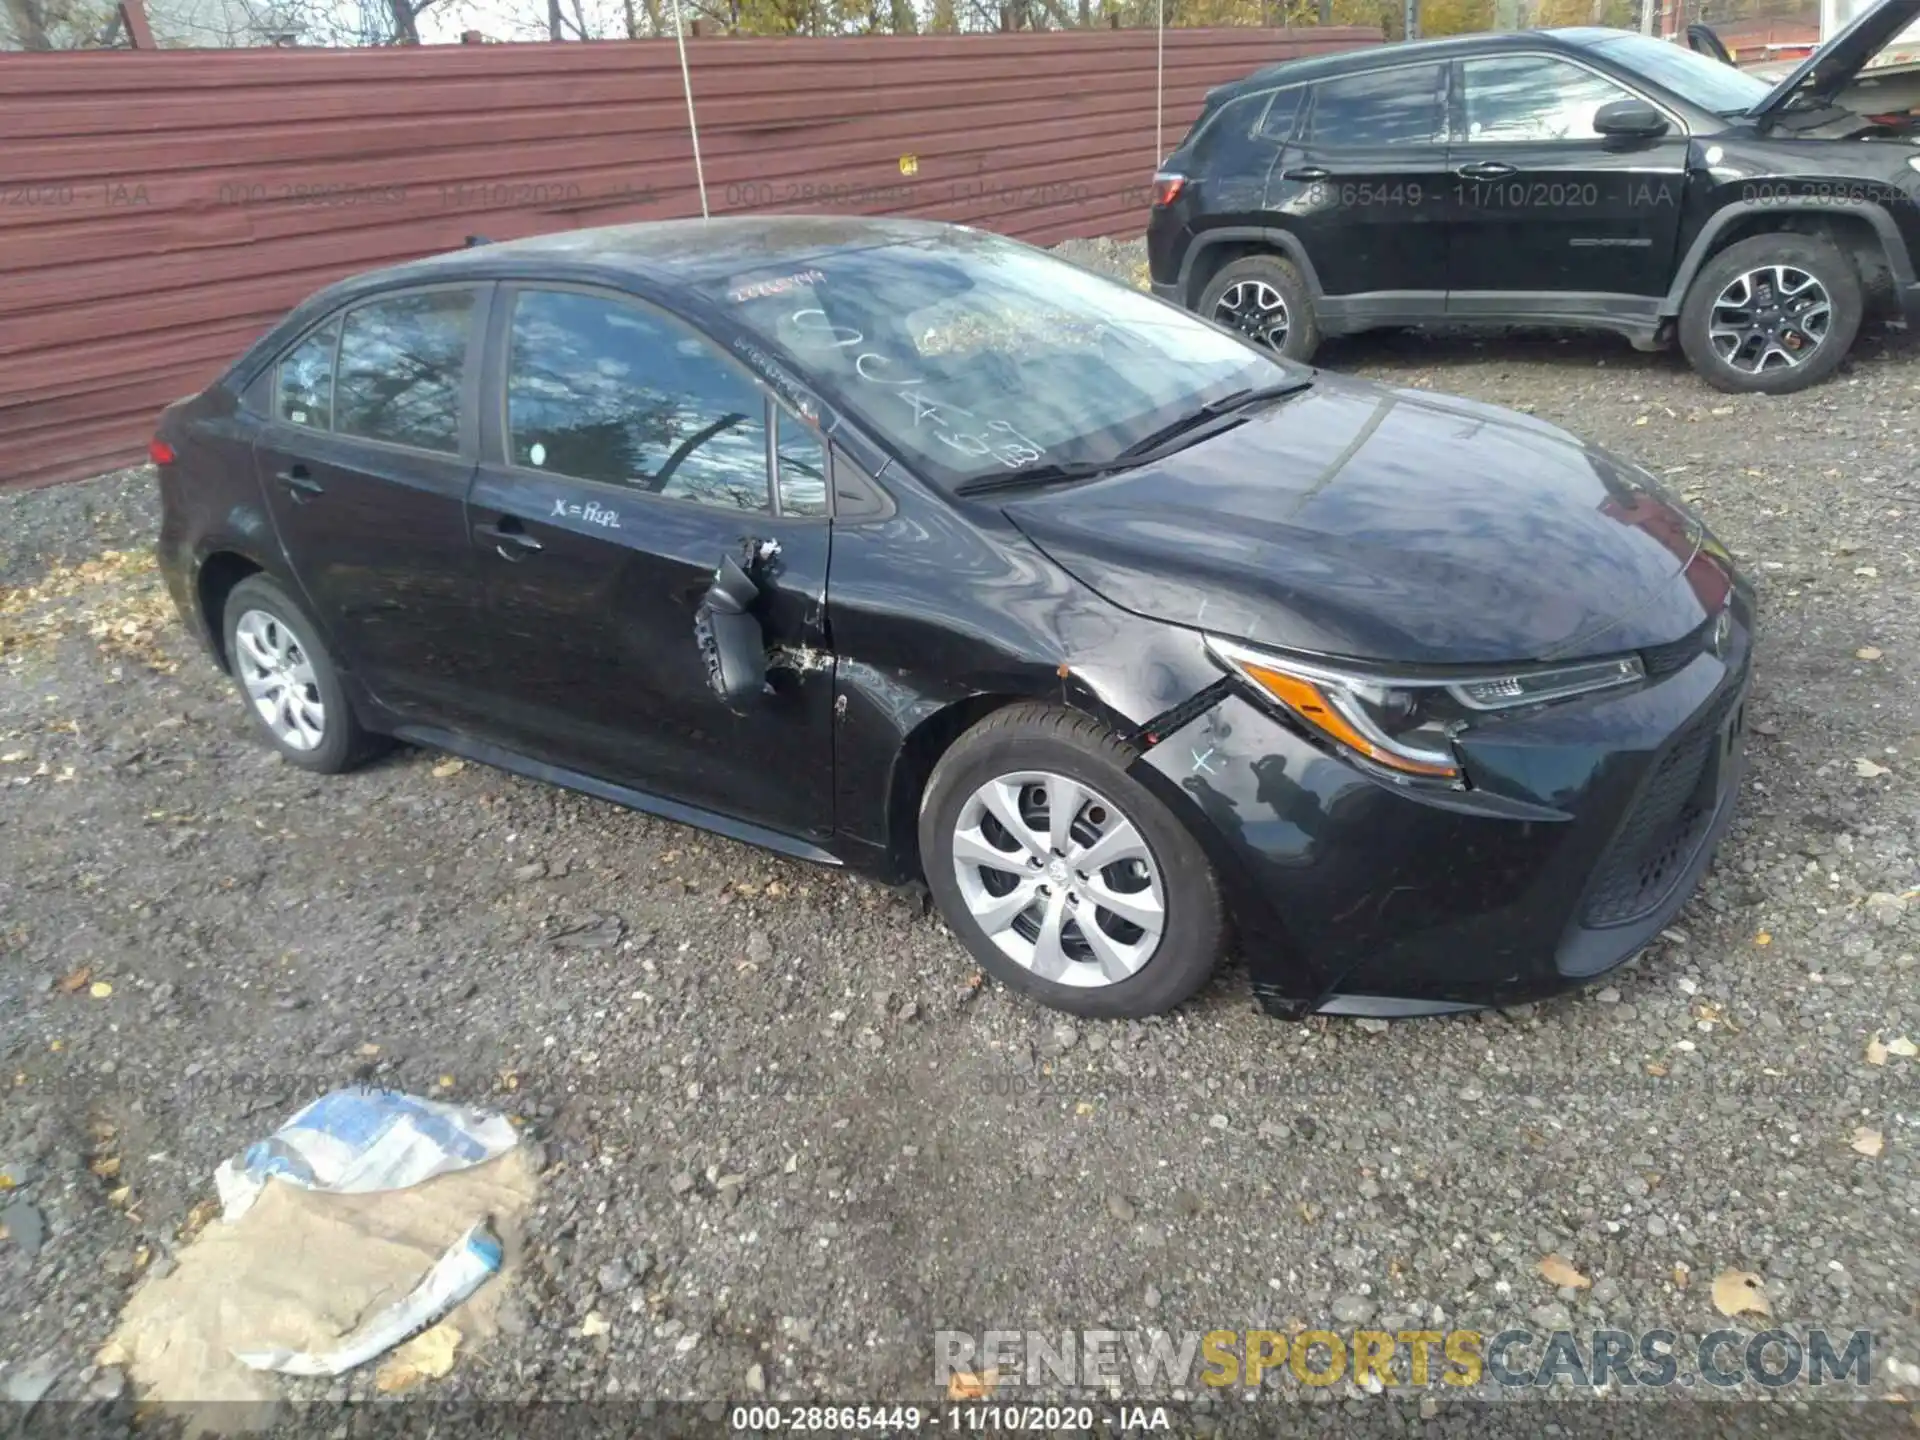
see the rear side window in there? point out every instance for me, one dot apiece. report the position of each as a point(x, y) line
point(1277, 123)
point(1385, 107)
point(599, 389)
point(303, 388)
point(402, 363)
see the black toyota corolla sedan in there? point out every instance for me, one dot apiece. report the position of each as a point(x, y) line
point(910, 548)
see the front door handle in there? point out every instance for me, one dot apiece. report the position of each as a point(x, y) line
point(1308, 173)
point(510, 538)
point(1485, 170)
point(302, 486)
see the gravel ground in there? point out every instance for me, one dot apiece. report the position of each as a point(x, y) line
point(788, 1136)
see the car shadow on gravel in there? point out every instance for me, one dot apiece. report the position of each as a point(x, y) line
point(1409, 348)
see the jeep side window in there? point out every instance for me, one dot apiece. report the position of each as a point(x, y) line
point(1277, 123)
point(1533, 98)
point(1383, 107)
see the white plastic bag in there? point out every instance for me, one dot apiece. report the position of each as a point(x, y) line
point(358, 1140)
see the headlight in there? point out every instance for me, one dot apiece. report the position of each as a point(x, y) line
point(1408, 724)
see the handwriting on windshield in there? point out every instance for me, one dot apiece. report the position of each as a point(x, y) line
point(954, 426)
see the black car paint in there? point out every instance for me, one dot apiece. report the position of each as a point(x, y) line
point(1606, 233)
point(920, 612)
point(1388, 525)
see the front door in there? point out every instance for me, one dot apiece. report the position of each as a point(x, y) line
point(1364, 189)
point(625, 457)
point(365, 460)
point(1543, 205)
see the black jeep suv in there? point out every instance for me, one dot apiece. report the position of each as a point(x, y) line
point(1584, 177)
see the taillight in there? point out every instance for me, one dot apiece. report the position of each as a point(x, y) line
point(1167, 188)
point(160, 452)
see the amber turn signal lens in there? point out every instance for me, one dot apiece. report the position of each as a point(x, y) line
point(1305, 699)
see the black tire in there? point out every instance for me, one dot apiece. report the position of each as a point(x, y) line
point(1303, 327)
point(344, 742)
point(1812, 254)
point(1033, 737)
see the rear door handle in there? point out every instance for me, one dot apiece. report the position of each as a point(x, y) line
point(1308, 173)
point(1485, 170)
point(510, 538)
point(302, 485)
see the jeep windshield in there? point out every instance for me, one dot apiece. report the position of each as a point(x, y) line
point(1693, 77)
point(971, 356)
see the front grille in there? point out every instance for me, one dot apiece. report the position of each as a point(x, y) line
point(1664, 830)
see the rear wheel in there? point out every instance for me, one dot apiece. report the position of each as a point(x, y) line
point(1771, 314)
point(291, 686)
point(1266, 299)
point(1064, 876)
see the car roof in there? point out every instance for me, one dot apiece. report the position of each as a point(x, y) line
point(1371, 57)
point(675, 251)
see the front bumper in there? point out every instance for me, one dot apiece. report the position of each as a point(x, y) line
point(1586, 828)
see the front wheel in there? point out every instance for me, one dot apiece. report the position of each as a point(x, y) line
point(1064, 876)
point(1266, 299)
point(1771, 314)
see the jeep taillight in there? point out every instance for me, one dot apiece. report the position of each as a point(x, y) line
point(1167, 188)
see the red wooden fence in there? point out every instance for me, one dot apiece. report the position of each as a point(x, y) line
point(159, 209)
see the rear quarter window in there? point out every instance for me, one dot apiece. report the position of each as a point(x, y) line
point(303, 381)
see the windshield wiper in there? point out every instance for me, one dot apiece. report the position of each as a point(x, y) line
point(1212, 410)
point(1051, 472)
point(1065, 472)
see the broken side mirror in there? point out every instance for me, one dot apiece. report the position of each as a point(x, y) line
point(731, 643)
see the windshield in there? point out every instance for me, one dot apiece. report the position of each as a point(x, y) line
point(971, 355)
point(1707, 83)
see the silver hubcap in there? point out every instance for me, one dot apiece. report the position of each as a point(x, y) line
point(279, 679)
point(1256, 310)
point(1059, 879)
point(1772, 318)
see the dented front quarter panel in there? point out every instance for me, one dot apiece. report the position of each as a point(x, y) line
point(932, 608)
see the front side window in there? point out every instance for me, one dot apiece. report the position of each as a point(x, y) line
point(402, 362)
point(1533, 98)
point(1385, 107)
point(600, 389)
point(801, 460)
point(303, 387)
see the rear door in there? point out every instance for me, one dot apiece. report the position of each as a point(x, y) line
point(624, 457)
point(365, 460)
point(1542, 203)
point(1364, 187)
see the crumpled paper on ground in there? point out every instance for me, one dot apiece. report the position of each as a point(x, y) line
point(301, 1270)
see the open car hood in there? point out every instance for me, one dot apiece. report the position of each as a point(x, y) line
point(1832, 67)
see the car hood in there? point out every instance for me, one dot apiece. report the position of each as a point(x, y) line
point(1833, 66)
point(1386, 525)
